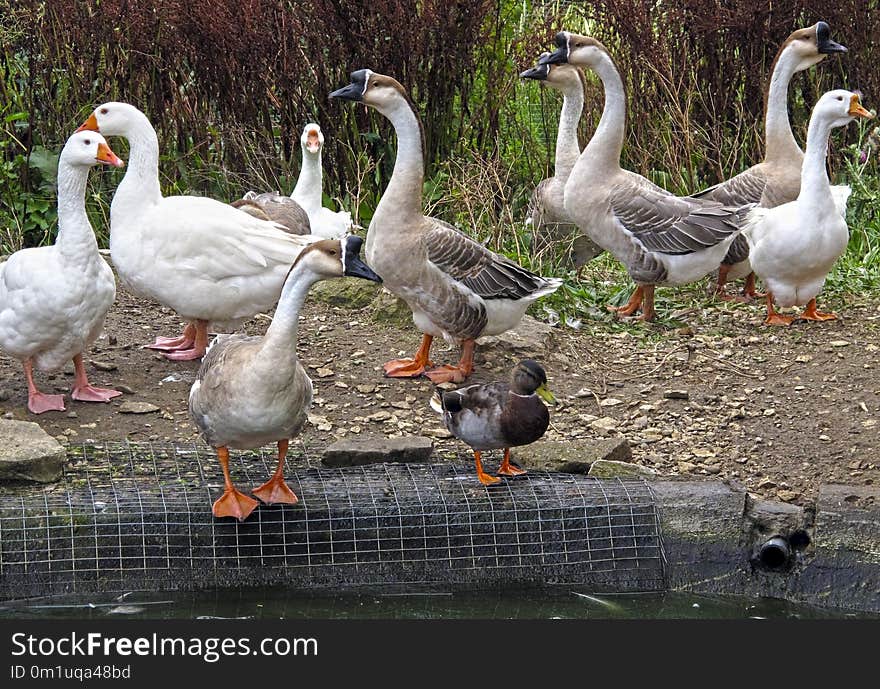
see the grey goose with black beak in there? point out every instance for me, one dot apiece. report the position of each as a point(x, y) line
point(776, 179)
point(456, 287)
point(660, 238)
point(251, 391)
point(547, 217)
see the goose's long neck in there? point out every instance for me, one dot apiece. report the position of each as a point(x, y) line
point(815, 187)
point(281, 335)
point(603, 151)
point(140, 185)
point(309, 185)
point(76, 239)
point(780, 141)
point(404, 191)
point(567, 147)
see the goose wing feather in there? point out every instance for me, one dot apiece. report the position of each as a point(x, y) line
point(667, 224)
point(746, 187)
point(483, 272)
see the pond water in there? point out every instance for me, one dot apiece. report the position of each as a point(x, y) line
point(528, 604)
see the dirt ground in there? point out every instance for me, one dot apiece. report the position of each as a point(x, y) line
point(778, 411)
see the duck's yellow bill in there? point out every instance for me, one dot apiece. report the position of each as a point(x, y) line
point(545, 394)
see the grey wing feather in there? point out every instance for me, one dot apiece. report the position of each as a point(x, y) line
point(746, 187)
point(669, 224)
point(483, 272)
point(281, 209)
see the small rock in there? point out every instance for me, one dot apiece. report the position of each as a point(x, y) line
point(687, 467)
point(824, 438)
point(766, 483)
point(72, 415)
point(365, 388)
point(379, 416)
point(324, 372)
point(573, 456)
point(103, 365)
point(123, 388)
point(769, 412)
point(610, 402)
point(28, 453)
point(5, 394)
point(787, 495)
point(839, 343)
point(437, 432)
point(340, 384)
point(355, 452)
point(676, 394)
point(803, 358)
point(606, 424)
point(137, 408)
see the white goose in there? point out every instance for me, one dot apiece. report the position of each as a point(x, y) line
point(309, 189)
point(777, 178)
point(660, 238)
point(793, 247)
point(253, 390)
point(53, 299)
point(457, 288)
point(204, 259)
point(547, 217)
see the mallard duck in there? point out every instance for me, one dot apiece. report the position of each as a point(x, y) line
point(456, 287)
point(793, 247)
point(499, 415)
point(53, 299)
point(660, 238)
point(547, 217)
point(272, 206)
point(202, 258)
point(776, 179)
point(253, 390)
point(309, 189)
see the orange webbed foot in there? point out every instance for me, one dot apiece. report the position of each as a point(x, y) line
point(275, 491)
point(778, 319)
point(810, 313)
point(448, 374)
point(404, 368)
point(234, 503)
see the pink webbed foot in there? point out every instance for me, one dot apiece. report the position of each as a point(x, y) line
point(173, 344)
point(186, 354)
point(88, 393)
point(39, 402)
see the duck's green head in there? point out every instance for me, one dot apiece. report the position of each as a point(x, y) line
point(529, 378)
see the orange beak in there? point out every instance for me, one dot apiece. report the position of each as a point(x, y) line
point(90, 124)
point(105, 155)
point(856, 109)
point(312, 141)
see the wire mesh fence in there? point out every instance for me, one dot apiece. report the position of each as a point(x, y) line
point(138, 517)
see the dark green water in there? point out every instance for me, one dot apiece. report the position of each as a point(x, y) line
point(531, 604)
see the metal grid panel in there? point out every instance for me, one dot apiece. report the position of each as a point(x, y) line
point(138, 516)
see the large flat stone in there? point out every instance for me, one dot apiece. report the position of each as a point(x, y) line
point(573, 457)
point(28, 453)
point(607, 468)
point(351, 293)
point(351, 452)
point(530, 339)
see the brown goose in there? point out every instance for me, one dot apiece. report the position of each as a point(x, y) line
point(457, 288)
point(776, 179)
point(251, 391)
point(660, 238)
point(547, 217)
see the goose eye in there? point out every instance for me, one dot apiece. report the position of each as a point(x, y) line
point(88, 142)
point(103, 111)
point(840, 98)
point(332, 252)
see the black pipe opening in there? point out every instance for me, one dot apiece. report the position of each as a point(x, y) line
point(775, 554)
